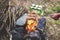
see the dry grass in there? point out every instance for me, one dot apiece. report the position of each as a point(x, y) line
point(53, 29)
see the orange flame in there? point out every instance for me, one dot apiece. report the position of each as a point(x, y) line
point(31, 25)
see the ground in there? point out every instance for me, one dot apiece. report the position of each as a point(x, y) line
point(53, 29)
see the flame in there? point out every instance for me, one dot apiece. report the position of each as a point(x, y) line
point(31, 25)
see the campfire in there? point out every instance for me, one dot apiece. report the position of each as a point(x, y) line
point(31, 25)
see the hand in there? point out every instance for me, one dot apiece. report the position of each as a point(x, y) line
point(55, 16)
point(32, 16)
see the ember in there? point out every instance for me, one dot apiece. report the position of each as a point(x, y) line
point(31, 25)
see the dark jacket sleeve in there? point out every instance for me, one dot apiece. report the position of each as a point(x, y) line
point(42, 23)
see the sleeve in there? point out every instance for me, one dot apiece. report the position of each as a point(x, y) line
point(42, 23)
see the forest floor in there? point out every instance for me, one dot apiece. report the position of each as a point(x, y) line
point(52, 29)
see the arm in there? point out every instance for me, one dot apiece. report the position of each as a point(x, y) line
point(42, 23)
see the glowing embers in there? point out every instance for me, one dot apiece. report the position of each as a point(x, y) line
point(31, 25)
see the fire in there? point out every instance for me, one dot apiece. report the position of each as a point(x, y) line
point(31, 25)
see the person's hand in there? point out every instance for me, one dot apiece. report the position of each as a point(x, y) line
point(32, 16)
point(55, 16)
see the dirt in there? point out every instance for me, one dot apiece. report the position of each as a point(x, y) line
point(52, 29)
